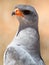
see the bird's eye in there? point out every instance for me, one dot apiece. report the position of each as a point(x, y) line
point(26, 12)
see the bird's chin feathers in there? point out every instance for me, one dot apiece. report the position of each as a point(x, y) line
point(22, 19)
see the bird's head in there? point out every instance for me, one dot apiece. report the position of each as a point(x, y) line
point(26, 13)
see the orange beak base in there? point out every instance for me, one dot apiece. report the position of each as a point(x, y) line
point(18, 12)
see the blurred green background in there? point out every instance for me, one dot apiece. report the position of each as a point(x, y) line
point(9, 26)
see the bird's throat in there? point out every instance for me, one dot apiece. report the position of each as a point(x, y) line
point(24, 25)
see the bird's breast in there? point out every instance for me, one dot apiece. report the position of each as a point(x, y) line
point(28, 38)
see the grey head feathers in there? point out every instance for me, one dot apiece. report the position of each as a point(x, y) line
point(29, 12)
point(30, 18)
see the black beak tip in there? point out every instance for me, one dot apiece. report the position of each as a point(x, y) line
point(13, 13)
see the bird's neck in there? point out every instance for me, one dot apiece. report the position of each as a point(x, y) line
point(24, 25)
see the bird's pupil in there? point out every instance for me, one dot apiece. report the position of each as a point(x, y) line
point(26, 12)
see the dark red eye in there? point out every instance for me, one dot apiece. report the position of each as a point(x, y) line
point(26, 12)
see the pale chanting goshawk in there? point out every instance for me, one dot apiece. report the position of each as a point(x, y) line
point(24, 49)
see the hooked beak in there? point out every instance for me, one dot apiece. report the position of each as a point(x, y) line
point(13, 13)
point(18, 12)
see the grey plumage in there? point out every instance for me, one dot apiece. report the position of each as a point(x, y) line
point(25, 47)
